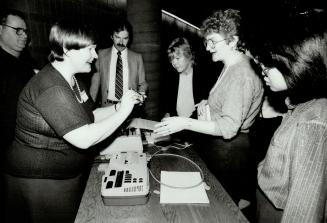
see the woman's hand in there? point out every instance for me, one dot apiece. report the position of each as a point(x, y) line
point(129, 99)
point(142, 97)
point(201, 108)
point(171, 125)
point(167, 115)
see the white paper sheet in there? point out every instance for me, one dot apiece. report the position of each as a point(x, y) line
point(181, 196)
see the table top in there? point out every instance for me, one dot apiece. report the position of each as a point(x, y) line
point(220, 209)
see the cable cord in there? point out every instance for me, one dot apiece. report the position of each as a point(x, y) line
point(179, 156)
point(174, 145)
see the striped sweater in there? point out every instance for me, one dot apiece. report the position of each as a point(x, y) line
point(293, 174)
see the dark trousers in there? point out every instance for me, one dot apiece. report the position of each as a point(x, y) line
point(42, 200)
point(266, 212)
point(232, 162)
point(2, 197)
point(4, 143)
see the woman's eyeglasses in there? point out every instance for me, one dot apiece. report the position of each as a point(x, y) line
point(211, 43)
point(19, 31)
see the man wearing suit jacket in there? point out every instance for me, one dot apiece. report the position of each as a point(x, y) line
point(133, 75)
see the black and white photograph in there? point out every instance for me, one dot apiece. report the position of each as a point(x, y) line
point(162, 111)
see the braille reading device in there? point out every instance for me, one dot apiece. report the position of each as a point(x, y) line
point(126, 180)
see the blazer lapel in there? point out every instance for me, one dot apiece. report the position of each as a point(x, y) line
point(106, 74)
point(130, 68)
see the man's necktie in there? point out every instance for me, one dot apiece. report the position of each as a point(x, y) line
point(119, 77)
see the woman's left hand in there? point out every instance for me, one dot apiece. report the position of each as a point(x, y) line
point(171, 125)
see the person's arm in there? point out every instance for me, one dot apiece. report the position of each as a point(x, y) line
point(235, 107)
point(95, 82)
point(91, 134)
point(308, 180)
point(105, 112)
point(175, 124)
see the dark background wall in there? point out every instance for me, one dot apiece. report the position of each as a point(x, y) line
point(144, 15)
point(42, 13)
point(151, 35)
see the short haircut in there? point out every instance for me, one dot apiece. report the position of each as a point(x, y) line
point(68, 34)
point(6, 12)
point(183, 45)
point(224, 22)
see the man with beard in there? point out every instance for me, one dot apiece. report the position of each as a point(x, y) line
point(118, 68)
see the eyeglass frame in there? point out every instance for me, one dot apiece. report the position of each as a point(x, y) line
point(19, 31)
point(213, 42)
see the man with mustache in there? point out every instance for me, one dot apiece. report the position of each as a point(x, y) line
point(15, 70)
point(131, 68)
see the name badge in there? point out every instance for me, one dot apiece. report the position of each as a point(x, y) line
point(84, 96)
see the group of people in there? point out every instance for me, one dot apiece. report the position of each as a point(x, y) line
point(228, 109)
point(57, 123)
point(291, 178)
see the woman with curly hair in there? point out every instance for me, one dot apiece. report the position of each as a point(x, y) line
point(232, 105)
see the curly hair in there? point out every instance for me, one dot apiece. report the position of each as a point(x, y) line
point(225, 22)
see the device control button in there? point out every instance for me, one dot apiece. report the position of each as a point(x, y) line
point(119, 178)
point(112, 172)
point(109, 184)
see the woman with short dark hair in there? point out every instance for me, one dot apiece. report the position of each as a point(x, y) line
point(292, 177)
point(55, 124)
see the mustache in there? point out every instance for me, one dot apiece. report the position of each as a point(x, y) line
point(121, 45)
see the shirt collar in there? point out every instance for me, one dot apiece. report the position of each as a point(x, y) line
point(123, 53)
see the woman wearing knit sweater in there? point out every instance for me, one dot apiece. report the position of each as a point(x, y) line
point(293, 176)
